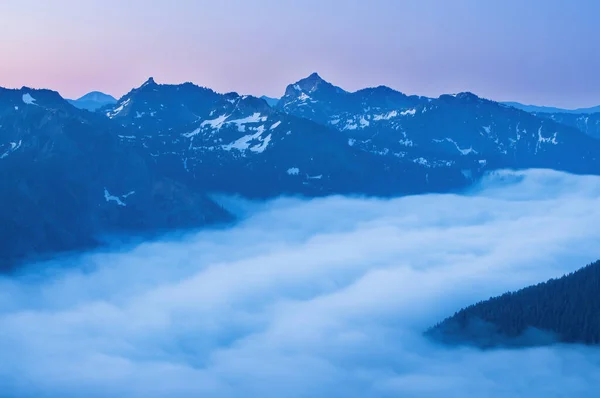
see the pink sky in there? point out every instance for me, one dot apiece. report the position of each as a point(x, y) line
point(537, 51)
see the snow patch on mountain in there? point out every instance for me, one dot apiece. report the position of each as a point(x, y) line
point(363, 121)
point(303, 97)
point(422, 162)
point(13, 147)
point(193, 133)
point(222, 121)
point(119, 109)
point(112, 198)
point(350, 125)
point(393, 114)
point(461, 150)
point(386, 116)
point(241, 123)
point(244, 143)
point(214, 123)
point(382, 152)
point(28, 99)
point(260, 148)
point(547, 140)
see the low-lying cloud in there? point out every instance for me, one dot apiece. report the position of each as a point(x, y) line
point(309, 298)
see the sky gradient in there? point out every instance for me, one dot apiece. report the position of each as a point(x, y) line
point(536, 51)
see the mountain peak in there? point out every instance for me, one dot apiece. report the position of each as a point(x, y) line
point(465, 96)
point(97, 96)
point(314, 76)
point(93, 101)
point(149, 82)
point(270, 100)
point(385, 90)
point(312, 80)
point(311, 84)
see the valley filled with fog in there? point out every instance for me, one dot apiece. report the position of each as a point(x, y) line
point(304, 298)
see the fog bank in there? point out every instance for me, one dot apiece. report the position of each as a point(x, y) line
point(309, 298)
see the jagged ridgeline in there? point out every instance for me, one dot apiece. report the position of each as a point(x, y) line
point(148, 162)
point(564, 310)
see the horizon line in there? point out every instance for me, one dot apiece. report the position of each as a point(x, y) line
point(151, 78)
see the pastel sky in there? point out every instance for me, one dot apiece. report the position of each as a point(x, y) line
point(533, 51)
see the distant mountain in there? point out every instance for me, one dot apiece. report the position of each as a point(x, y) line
point(93, 101)
point(550, 109)
point(457, 131)
point(586, 120)
point(565, 310)
point(271, 101)
point(586, 123)
point(150, 162)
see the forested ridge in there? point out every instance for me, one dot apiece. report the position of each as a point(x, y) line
point(565, 310)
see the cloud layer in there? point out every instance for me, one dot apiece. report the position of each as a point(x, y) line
point(319, 298)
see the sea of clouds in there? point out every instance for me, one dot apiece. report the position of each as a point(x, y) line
point(308, 298)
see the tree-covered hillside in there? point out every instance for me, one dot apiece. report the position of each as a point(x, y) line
point(565, 310)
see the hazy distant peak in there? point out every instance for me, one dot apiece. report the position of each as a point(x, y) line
point(270, 100)
point(98, 96)
point(93, 100)
point(550, 109)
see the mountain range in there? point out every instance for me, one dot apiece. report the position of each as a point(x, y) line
point(551, 109)
point(586, 120)
point(150, 162)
